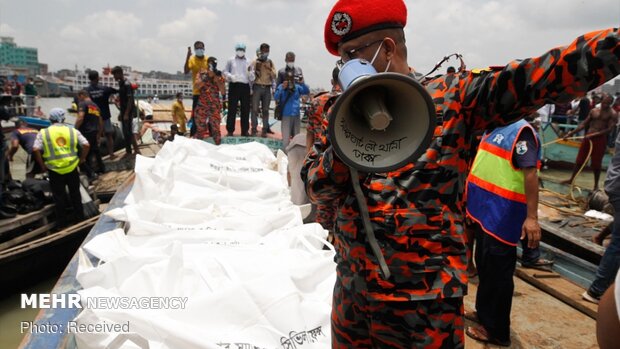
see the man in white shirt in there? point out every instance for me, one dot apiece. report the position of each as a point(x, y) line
point(238, 77)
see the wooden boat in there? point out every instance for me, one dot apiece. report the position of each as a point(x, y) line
point(562, 220)
point(28, 261)
point(560, 153)
point(35, 122)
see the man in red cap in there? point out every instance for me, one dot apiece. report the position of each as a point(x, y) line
point(417, 210)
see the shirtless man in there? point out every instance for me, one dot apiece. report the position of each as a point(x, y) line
point(599, 123)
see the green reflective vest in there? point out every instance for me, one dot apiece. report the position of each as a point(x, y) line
point(60, 151)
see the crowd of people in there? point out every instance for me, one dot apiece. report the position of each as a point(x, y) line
point(248, 86)
point(16, 88)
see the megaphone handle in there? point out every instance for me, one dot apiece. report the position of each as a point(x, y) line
point(372, 240)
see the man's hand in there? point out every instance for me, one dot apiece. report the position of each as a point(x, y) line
point(189, 51)
point(82, 160)
point(531, 229)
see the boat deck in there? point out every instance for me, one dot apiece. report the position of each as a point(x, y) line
point(540, 320)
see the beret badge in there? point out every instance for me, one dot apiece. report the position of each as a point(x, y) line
point(341, 23)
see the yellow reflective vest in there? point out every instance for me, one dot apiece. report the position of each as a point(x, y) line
point(60, 151)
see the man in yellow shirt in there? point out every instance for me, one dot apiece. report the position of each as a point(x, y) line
point(178, 113)
point(195, 64)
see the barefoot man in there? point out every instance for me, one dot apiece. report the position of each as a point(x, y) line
point(599, 123)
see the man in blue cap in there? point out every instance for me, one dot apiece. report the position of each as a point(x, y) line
point(237, 74)
point(59, 149)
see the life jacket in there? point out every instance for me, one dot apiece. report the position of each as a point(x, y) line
point(60, 151)
point(495, 188)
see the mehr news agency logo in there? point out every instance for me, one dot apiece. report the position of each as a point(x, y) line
point(75, 301)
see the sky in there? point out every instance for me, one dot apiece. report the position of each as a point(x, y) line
point(154, 34)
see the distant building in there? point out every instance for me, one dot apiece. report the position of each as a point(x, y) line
point(18, 58)
point(147, 86)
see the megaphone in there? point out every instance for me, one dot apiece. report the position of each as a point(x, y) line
point(382, 121)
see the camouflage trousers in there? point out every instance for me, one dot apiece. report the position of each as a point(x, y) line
point(361, 323)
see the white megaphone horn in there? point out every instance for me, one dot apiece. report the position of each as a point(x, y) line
point(382, 121)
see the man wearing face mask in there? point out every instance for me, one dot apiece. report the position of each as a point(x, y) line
point(265, 75)
point(404, 286)
point(195, 63)
point(237, 73)
point(290, 69)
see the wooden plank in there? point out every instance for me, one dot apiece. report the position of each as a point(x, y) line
point(27, 236)
point(21, 220)
point(538, 320)
point(579, 247)
point(558, 287)
point(68, 231)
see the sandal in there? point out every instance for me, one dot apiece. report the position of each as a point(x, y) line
point(480, 334)
point(472, 316)
point(539, 263)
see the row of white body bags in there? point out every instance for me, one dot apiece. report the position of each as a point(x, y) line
point(213, 226)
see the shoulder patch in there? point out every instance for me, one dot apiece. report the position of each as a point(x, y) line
point(521, 147)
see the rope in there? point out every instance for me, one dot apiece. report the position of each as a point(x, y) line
point(561, 139)
point(572, 183)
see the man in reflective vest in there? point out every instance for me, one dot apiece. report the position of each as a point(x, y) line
point(59, 146)
point(502, 198)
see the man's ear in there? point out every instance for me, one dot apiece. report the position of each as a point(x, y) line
point(390, 48)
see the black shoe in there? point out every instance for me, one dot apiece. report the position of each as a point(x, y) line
point(270, 131)
point(229, 134)
point(245, 134)
point(254, 133)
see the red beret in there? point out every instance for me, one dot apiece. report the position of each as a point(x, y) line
point(350, 19)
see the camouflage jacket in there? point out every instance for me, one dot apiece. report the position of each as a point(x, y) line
point(317, 123)
point(417, 210)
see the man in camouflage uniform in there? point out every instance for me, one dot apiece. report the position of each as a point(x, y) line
point(317, 125)
point(417, 211)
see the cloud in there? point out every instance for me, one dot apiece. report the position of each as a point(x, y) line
point(154, 34)
point(107, 26)
point(93, 41)
point(6, 30)
point(196, 23)
point(207, 2)
point(496, 32)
